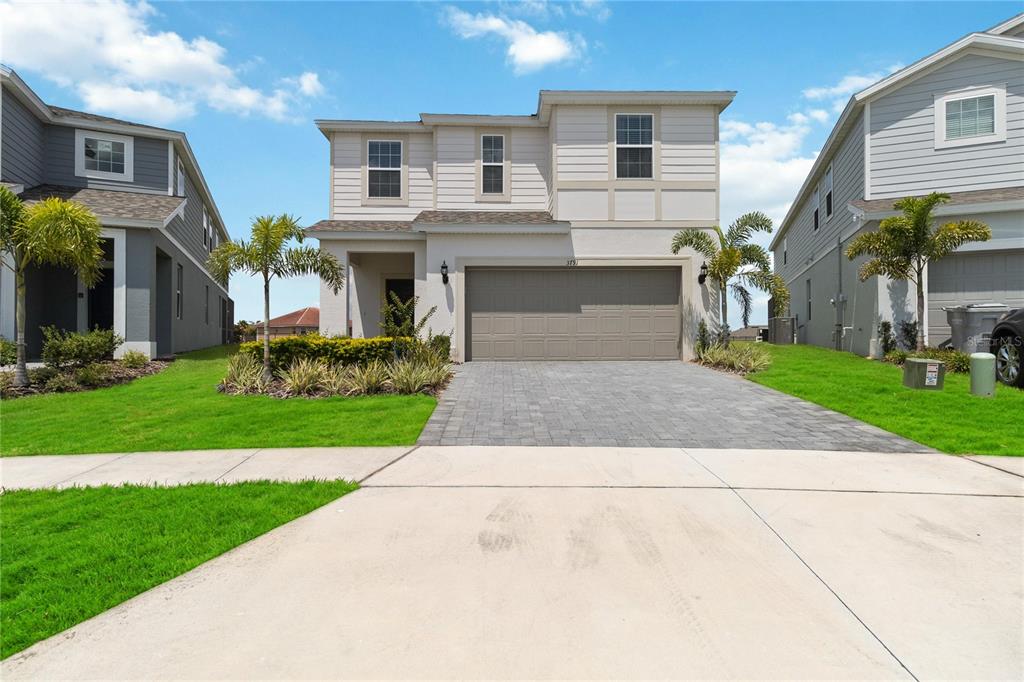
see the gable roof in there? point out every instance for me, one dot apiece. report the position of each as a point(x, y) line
point(304, 317)
point(1007, 26)
point(988, 41)
point(157, 209)
point(432, 217)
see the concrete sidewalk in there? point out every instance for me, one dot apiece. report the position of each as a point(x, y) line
point(195, 466)
point(512, 562)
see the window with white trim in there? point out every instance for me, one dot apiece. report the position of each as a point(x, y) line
point(207, 241)
point(384, 168)
point(181, 178)
point(828, 192)
point(970, 117)
point(179, 304)
point(785, 250)
point(634, 146)
point(808, 300)
point(104, 156)
point(816, 204)
point(492, 164)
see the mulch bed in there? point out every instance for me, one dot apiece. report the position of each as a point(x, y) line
point(277, 390)
point(119, 374)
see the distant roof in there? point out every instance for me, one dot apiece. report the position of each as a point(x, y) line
point(485, 218)
point(304, 317)
point(978, 196)
point(110, 203)
point(361, 226)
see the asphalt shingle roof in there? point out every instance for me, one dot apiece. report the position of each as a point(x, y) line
point(485, 218)
point(361, 226)
point(109, 203)
point(977, 196)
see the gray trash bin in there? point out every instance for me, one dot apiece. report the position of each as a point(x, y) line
point(971, 325)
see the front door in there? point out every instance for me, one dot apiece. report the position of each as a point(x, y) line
point(101, 302)
point(405, 289)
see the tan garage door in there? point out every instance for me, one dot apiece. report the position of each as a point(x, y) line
point(963, 278)
point(573, 313)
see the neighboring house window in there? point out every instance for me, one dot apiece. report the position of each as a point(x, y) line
point(104, 156)
point(206, 228)
point(492, 150)
point(816, 204)
point(828, 192)
point(206, 305)
point(970, 117)
point(785, 250)
point(634, 146)
point(384, 164)
point(181, 178)
point(808, 300)
point(178, 302)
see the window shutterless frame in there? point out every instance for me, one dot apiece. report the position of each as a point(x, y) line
point(828, 192)
point(384, 169)
point(970, 116)
point(104, 156)
point(634, 146)
point(492, 164)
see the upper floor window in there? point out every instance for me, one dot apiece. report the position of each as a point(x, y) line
point(634, 146)
point(816, 203)
point(104, 156)
point(207, 229)
point(384, 166)
point(181, 178)
point(975, 116)
point(785, 250)
point(828, 192)
point(492, 160)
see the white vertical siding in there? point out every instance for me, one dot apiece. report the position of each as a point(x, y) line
point(688, 143)
point(903, 155)
point(581, 138)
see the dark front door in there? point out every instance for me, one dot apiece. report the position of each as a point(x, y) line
point(101, 302)
point(405, 289)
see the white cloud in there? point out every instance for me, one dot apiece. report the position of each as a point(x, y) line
point(118, 62)
point(528, 49)
point(847, 85)
point(554, 9)
point(597, 9)
point(819, 115)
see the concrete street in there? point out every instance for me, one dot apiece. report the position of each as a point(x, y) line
point(513, 562)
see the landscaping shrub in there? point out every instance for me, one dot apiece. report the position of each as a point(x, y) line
point(398, 317)
point(8, 352)
point(407, 376)
point(337, 379)
point(441, 345)
point(703, 338)
point(955, 360)
point(61, 383)
point(93, 375)
point(908, 334)
point(63, 349)
point(334, 350)
point(303, 377)
point(736, 357)
point(373, 377)
point(134, 359)
point(245, 374)
point(886, 337)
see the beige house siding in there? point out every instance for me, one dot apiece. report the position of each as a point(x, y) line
point(347, 176)
point(458, 159)
point(688, 145)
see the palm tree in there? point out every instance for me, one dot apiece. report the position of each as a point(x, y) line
point(268, 255)
point(735, 264)
point(52, 232)
point(903, 245)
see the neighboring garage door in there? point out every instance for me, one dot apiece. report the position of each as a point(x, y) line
point(996, 277)
point(573, 313)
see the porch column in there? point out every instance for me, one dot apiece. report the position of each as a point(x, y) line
point(334, 308)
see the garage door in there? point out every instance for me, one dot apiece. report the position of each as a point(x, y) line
point(573, 313)
point(996, 277)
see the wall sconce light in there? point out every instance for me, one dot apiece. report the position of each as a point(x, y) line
point(703, 273)
point(444, 272)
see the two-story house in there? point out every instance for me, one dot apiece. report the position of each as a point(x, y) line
point(159, 225)
point(952, 122)
point(543, 236)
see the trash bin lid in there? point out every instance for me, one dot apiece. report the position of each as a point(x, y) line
point(987, 306)
point(955, 308)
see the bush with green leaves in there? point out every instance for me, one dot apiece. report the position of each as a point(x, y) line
point(332, 350)
point(373, 377)
point(441, 345)
point(955, 360)
point(408, 376)
point(337, 379)
point(61, 383)
point(736, 357)
point(703, 340)
point(134, 359)
point(908, 334)
point(8, 352)
point(886, 337)
point(94, 375)
point(398, 317)
point(245, 374)
point(303, 377)
point(63, 349)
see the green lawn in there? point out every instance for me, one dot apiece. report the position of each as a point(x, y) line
point(180, 409)
point(951, 420)
point(71, 554)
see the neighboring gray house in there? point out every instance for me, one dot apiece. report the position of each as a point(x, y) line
point(952, 122)
point(159, 224)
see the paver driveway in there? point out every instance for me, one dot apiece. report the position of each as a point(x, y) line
point(637, 404)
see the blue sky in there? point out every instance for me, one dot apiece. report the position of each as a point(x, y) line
point(245, 80)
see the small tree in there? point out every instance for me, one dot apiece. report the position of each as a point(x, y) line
point(735, 264)
point(903, 245)
point(52, 232)
point(269, 255)
point(398, 317)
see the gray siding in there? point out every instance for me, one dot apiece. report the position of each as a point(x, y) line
point(22, 143)
point(189, 231)
point(150, 163)
point(193, 330)
point(140, 265)
point(903, 155)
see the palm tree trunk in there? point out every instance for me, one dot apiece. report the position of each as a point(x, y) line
point(267, 376)
point(724, 330)
point(920, 308)
point(20, 370)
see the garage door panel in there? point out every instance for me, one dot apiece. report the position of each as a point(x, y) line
point(573, 313)
point(965, 278)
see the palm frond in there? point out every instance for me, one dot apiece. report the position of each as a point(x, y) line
point(755, 254)
point(698, 240)
point(745, 301)
point(61, 233)
point(12, 213)
point(309, 260)
point(951, 236)
point(744, 227)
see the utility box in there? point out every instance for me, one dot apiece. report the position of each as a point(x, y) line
point(971, 325)
point(983, 374)
point(925, 374)
point(780, 330)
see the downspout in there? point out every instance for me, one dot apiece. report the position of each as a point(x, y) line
point(840, 300)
